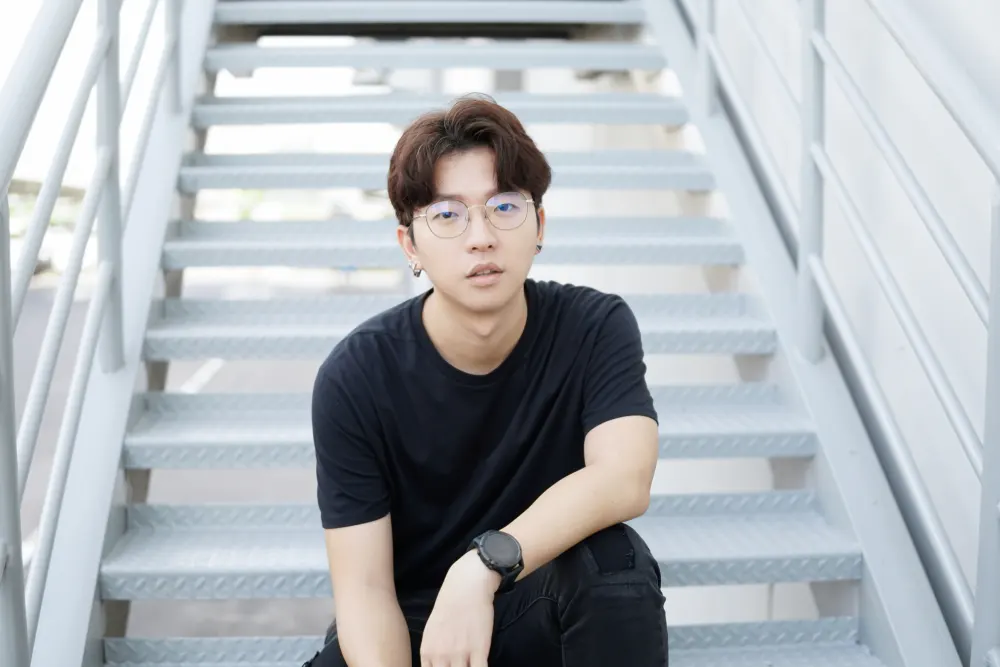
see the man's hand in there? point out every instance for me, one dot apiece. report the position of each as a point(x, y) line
point(459, 630)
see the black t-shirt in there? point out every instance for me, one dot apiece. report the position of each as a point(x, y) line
point(400, 431)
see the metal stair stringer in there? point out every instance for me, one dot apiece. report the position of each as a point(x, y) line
point(900, 617)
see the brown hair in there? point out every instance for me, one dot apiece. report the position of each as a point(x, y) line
point(470, 122)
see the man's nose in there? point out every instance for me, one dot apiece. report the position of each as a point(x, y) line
point(481, 230)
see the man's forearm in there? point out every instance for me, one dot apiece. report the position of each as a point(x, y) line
point(371, 628)
point(574, 508)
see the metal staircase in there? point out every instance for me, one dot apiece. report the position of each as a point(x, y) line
point(828, 521)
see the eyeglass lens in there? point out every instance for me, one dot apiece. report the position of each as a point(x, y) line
point(449, 217)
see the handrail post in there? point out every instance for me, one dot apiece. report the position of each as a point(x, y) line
point(109, 216)
point(13, 623)
point(708, 77)
point(174, 9)
point(810, 302)
point(986, 633)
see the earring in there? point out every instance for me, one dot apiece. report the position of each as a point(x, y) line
point(415, 269)
point(538, 248)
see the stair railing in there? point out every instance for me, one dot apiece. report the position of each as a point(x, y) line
point(973, 619)
point(106, 204)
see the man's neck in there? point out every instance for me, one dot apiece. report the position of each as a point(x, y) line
point(475, 343)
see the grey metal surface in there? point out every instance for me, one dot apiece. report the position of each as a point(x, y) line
point(926, 211)
point(902, 619)
point(986, 632)
point(421, 55)
point(364, 244)
point(923, 349)
point(249, 551)
point(698, 645)
point(766, 644)
point(810, 341)
point(13, 626)
point(926, 528)
point(310, 327)
point(400, 108)
point(340, 12)
point(600, 169)
point(264, 430)
point(72, 619)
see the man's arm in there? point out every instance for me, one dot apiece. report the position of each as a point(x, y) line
point(613, 486)
point(354, 506)
point(370, 624)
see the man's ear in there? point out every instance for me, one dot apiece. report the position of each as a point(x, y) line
point(540, 217)
point(404, 235)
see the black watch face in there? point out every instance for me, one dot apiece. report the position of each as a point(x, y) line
point(502, 549)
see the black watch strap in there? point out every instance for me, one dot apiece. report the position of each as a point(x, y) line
point(501, 553)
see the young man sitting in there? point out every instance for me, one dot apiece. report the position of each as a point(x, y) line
point(479, 447)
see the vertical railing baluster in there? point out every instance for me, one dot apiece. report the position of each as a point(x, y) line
point(173, 18)
point(810, 302)
point(986, 633)
point(708, 77)
point(13, 623)
point(109, 216)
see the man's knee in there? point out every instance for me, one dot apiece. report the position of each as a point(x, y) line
point(614, 561)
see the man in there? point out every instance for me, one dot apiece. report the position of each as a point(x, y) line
point(479, 447)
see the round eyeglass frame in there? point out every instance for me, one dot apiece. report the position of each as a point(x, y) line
point(468, 210)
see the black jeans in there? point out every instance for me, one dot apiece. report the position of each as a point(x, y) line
point(598, 604)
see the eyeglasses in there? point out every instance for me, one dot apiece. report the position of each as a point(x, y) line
point(449, 218)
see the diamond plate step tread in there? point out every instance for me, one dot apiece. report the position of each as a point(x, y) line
point(308, 328)
point(340, 12)
point(373, 244)
point(521, 54)
point(642, 169)
point(827, 642)
point(218, 551)
point(401, 108)
point(265, 430)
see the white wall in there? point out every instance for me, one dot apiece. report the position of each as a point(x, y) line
point(944, 162)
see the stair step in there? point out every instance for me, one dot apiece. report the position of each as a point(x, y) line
point(768, 644)
point(513, 55)
point(271, 430)
point(219, 551)
point(641, 169)
point(340, 12)
point(401, 108)
point(307, 328)
point(357, 244)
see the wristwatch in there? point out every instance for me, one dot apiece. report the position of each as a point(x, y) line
point(501, 553)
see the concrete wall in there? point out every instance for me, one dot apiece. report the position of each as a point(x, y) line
point(944, 162)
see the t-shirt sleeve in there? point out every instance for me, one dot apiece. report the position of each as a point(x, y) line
point(615, 381)
point(350, 482)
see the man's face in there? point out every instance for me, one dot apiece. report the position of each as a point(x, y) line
point(453, 258)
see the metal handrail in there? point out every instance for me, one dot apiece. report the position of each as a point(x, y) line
point(915, 503)
point(926, 211)
point(922, 348)
point(105, 207)
point(29, 79)
point(975, 626)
